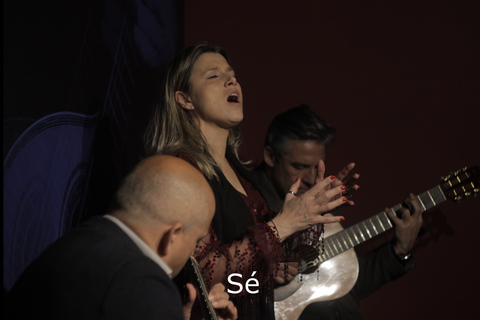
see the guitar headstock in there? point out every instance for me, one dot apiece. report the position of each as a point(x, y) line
point(462, 183)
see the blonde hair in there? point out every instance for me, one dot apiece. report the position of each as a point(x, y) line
point(172, 128)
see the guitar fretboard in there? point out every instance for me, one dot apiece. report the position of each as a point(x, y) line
point(196, 277)
point(367, 229)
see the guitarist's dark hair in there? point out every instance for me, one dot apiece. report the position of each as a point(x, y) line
point(299, 123)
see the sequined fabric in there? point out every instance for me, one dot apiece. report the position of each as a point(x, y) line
point(257, 249)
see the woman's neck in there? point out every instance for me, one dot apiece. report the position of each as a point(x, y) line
point(217, 142)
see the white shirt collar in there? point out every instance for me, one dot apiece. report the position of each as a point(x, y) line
point(141, 245)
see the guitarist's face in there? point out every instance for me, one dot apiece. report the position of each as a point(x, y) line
point(300, 161)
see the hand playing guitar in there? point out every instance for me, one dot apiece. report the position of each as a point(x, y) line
point(219, 299)
point(407, 226)
point(345, 177)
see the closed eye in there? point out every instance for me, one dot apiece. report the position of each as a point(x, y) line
point(300, 166)
point(212, 77)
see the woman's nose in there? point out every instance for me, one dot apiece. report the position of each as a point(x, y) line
point(231, 81)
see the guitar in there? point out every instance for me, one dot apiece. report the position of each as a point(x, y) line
point(328, 283)
point(202, 293)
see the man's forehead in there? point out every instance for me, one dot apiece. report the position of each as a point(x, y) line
point(309, 148)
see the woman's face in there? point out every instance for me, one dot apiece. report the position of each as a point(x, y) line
point(215, 95)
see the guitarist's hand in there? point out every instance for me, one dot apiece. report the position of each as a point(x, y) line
point(406, 227)
point(219, 299)
point(345, 177)
point(286, 272)
point(222, 304)
point(187, 307)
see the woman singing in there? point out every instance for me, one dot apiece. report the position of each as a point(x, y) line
point(196, 118)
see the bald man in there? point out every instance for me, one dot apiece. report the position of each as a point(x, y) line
point(120, 266)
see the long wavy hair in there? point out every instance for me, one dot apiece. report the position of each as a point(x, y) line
point(172, 129)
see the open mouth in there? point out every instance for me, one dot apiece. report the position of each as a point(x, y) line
point(232, 98)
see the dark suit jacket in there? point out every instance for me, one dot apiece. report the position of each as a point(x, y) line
point(94, 272)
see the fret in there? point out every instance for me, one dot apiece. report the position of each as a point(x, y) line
point(361, 233)
point(358, 232)
point(431, 198)
point(440, 192)
point(328, 249)
point(396, 209)
point(356, 238)
point(425, 200)
point(380, 221)
point(373, 226)
point(351, 242)
point(330, 253)
point(351, 236)
point(348, 236)
point(421, 203)
point(387, 220)
point(334, 246)
point(321, 259)
point(339, 242)
point(345, 243)
point(366, 229)
point(342, 242)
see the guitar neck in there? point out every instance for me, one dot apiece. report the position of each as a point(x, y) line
point(367, 229)
point(196, 277)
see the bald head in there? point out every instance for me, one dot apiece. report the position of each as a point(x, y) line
point(164, 190)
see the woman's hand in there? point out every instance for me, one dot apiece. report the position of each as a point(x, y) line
point(299, 213)
point(346, 177)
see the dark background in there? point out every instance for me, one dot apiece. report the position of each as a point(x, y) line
point(399, 80)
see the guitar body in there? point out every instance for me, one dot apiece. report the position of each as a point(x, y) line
point(331, 280)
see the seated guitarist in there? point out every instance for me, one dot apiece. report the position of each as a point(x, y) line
point(119, 266)
point(295, 146)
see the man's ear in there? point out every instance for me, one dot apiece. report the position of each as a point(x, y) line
point(183, 100)
point(169, 239)
point(269, 156)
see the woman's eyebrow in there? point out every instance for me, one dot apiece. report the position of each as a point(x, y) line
point(218, 68)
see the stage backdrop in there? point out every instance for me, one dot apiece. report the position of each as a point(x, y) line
point(399, 80)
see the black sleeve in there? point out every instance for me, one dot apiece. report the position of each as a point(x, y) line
point(141, 290)
point(374, 272)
